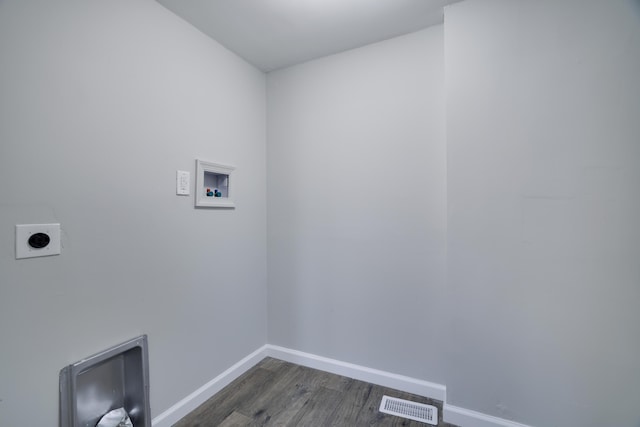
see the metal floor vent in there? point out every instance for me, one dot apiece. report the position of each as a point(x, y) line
point(411, 410)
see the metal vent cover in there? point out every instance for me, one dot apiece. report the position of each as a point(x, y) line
point(411, 410)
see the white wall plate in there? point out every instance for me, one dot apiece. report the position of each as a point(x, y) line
point(183, 183)
point(36, 240)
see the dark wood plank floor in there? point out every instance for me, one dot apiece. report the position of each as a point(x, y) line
point(278, 393)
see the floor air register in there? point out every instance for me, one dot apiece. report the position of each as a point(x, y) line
point(411, 410)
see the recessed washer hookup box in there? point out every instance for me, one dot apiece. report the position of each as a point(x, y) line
point(114, 378)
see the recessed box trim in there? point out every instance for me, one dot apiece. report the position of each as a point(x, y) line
point(214, 175)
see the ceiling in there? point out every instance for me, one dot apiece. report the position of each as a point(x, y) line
point(273, 34)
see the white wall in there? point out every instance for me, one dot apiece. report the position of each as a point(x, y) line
point(543, 102)
point(100, 103)
point(356, 206)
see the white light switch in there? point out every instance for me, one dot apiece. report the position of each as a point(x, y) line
point(183, 183)
point(35, 240)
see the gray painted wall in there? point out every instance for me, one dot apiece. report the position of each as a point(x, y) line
point(537, 320)
point(356, 207)
point(543, 102)
point(100, 103)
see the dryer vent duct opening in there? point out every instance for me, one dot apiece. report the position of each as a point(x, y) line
point(114, 378)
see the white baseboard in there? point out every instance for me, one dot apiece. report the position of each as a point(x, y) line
point(451, 414)
point(362, 373)
point(466, 417)
point(201, 395)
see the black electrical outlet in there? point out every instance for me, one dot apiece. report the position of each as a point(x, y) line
point(39, 240)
